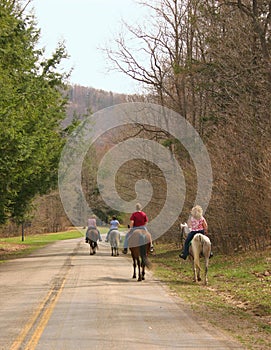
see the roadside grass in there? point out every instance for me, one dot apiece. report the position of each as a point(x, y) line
point(14, 247)
point(237, 298)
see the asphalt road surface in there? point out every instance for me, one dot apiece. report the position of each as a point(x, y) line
point(60, 298)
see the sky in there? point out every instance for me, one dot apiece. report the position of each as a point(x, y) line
point(86, 26)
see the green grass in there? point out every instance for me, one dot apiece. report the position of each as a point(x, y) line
point(43, 239)
point(13, 247)
point(237, 297)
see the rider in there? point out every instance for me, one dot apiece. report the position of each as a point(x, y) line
point(92, 224)
point(114, 225)
point(138, 220)
point(198, 224)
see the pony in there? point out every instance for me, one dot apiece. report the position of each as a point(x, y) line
point(199, 246)
point(114, 240)
point(92, 238)
point(139, 244)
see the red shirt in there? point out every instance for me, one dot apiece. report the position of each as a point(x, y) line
point(139, 218)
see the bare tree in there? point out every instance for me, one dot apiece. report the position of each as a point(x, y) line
point(210, 61)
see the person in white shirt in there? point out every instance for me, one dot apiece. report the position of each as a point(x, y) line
point(114, 225)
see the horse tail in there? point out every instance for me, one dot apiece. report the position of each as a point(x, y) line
point(197, 244)
point(117, 239)
point(143, 251)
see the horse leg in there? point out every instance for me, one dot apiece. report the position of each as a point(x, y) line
point(196, 267)
point(112, 249)
point(143, 270)
point(139, 270)
point(199, 278)
point(94, 248)
point(206, 253)
point(194, 271)
point(90, 249)
point(117, 251)
point(206, 270)
point(134, 265)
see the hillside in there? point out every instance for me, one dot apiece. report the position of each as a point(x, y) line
point(84, 100)
point(48, 214)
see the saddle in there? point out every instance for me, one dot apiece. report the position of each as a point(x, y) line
point(92, 234)
point(139, 237)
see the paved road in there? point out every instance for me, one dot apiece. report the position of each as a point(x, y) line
point(62, 298)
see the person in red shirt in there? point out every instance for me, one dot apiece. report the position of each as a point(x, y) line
point(138, 220)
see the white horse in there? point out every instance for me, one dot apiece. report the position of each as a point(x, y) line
point(200, 246)
point(114, 240)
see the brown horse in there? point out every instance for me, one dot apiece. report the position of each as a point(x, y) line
point(92, 238)
point(139, 245)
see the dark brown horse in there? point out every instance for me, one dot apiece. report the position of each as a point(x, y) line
point(92, 238)
point(139, 245)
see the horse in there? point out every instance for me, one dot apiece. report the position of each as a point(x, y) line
point(114, 240)
point(92, 238)
point(199, 246)
point(139, 244)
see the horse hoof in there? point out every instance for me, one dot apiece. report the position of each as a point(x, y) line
point(139, 279)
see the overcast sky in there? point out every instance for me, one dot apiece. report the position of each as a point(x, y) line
point(85, 26)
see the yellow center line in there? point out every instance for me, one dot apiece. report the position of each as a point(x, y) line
point(17, 343)
point(44, 320)
point(43, 312)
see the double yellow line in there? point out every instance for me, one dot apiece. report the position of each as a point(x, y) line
point(34, 328)
point(39, 320)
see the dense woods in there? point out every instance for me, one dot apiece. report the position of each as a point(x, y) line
point(210, 62)
point(31, 109)
point(207, 60)
point(84, 101)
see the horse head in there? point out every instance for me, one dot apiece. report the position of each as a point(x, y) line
point(185, 229)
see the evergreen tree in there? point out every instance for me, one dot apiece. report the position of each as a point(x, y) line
point(31, 109)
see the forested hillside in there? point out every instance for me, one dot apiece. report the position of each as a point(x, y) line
point(85, 100)
point(48, 214)
point(209, 61)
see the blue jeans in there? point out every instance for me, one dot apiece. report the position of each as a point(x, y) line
point(188, 240)
point(128, 235)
